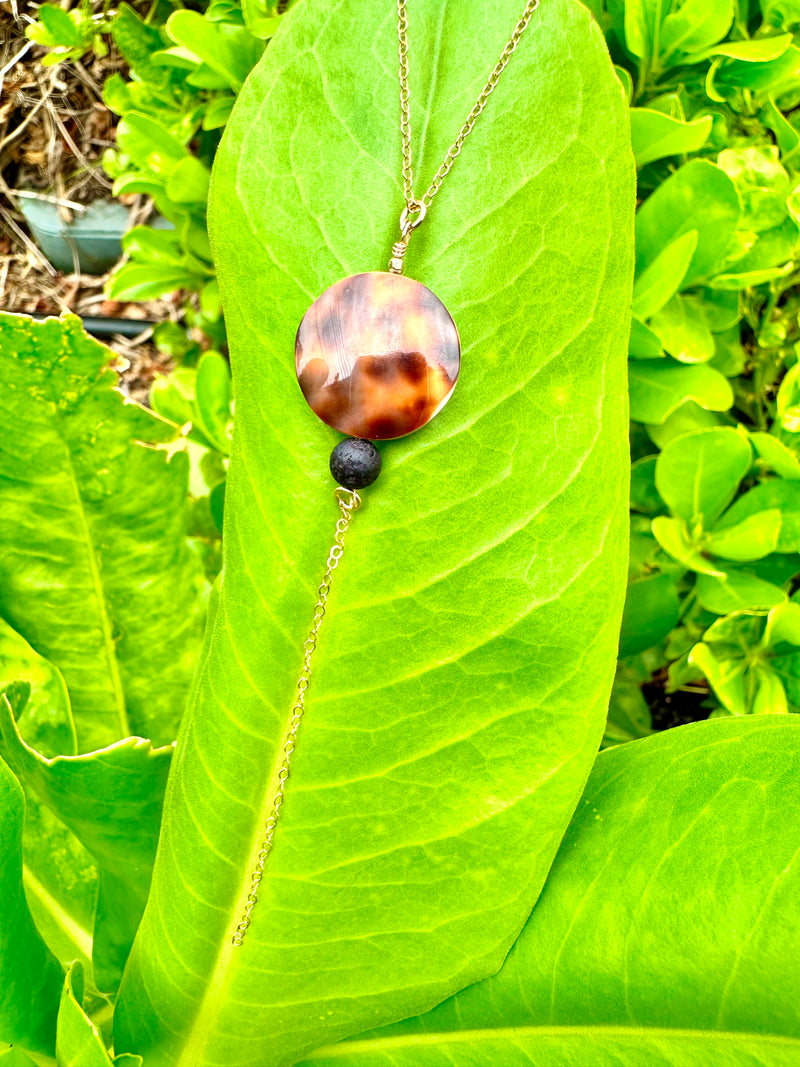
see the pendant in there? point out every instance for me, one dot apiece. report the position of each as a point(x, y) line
point(377, 355)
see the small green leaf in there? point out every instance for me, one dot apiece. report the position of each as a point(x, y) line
point(651, 611)
point(699, 196)
point(216, 503)
point(770, 694)
point(150, 144)
point(683, 330)
point(146, 281)
point(737, 591)
point(158, 246)
point(729, 356)
point(688, 418)
point(698, 474)
point(674, 538)
point(643, 343)
point(773, 74)
point(218, 112)
point(79, 1043)
point(188, 182)
point(747, 279)
point(171, 396)
point(658, 388)
point(644, 495)
point(230, 51)
point(725, 676)
point(694, 25)
point(628, 712)
point(785, 134)
point(763, 185)
point(752, 538)
point(655, 135)
point(755, 50)
point(626, 81)
point(775, 456)
point(662, 278)
point(768, 495)
point(213, 397)
point(139, 42)
point(721, 310)
point(788, 400)
point(638, 33)
point(783, 625)
point(60, 27)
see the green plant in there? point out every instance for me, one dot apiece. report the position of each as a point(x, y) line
point(670, 898)
point(70, 34)
point(103, 605)
point(199, 400)
point(186, 68)
point(713, 354)
point(481, 689)
point(460, 687)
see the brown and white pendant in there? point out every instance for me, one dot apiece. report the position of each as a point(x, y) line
point(377, 355)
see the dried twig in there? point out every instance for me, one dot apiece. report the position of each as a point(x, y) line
point(27, 194)
point(19, 129)
point(34, 251)
point(13, 62)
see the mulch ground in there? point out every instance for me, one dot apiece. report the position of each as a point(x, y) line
point(54, 129)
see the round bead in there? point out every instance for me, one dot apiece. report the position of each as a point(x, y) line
point(355, 463)
point(377, 355)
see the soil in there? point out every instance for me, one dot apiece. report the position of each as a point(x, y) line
point(675, 709)
point(54, 129)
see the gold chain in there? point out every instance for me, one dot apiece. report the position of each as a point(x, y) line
point(349, 501)
point(414, 206)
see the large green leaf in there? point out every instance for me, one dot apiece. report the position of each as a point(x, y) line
point(655, 135)
point(59, 876)
point(668, 932)
point(79, 1042)
point(111, 800)
point(46, 724)
point(60, 882)
point(462, 673)
point(95, 569)
point(30, 977)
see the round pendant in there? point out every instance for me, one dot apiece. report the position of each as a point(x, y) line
point(377, 355)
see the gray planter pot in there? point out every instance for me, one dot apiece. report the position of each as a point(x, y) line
point(94, 234)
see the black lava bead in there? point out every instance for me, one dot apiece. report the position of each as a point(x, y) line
point(355, 463)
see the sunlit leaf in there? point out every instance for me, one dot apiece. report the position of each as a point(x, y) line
point(451, 706)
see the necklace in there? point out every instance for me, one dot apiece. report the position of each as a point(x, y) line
point(377, 357)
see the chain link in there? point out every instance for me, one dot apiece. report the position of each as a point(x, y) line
point(414, 206)
point(348, 501)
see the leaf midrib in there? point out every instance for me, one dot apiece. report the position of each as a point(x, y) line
point(398, 1042)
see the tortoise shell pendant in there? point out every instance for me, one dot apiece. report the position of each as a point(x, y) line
point(377, 355)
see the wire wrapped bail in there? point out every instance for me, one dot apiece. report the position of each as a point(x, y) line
point(410, 217)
